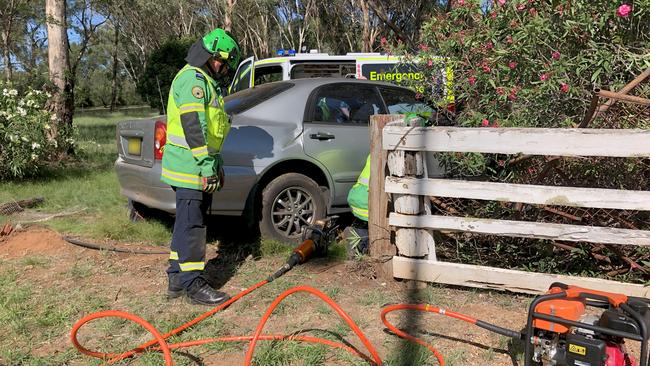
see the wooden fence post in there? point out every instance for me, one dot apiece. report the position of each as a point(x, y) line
point(378, 230)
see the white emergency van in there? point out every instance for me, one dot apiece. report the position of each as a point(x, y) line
point(371, 66)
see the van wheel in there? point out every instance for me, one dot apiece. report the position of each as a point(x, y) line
point(290, 203)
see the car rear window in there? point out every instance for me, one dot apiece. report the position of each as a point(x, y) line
point(246, 99)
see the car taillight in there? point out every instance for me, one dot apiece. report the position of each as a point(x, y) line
point(159, 139)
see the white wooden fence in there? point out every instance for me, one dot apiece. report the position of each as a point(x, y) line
point(414, 223)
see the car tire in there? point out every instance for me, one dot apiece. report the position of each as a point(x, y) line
point(136, 211)
point(290, 203)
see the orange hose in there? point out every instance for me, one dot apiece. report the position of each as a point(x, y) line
point(427, 308)
point(330, 302)
point(159, 343)
point(117, 357)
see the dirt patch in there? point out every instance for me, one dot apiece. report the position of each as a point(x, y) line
point(33, 241)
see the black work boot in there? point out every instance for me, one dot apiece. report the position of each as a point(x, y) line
point(200, 292)
point(174, 287)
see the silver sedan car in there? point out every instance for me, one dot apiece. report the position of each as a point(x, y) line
point(294, 151)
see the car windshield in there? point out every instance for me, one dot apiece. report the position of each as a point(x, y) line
point(246, 99)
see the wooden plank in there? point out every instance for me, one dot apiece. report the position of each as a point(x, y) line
point(522, 229)
point(378, 231)
point(530, 141)
point(502, 279)
point(526, 193)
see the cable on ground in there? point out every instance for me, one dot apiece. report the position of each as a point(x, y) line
point(110, 248)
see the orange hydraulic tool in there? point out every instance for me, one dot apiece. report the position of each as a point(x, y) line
point(316, 240)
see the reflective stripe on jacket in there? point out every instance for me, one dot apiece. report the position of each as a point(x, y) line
point(358, 195)
point(196, 128)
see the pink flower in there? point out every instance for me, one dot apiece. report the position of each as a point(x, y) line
point(493, 15)
point(512, 65)
point(424, 47)
point(555, 55)
point(500, 91)
point(501, 163)
point(564, 87)
point(521, 7)
point(430, 63)
point(543, 77)
point(461, 2)
point(624, 10)
point(532, 11)
point(509, 39)
point(489, 45)
point(485, 123)
point(513, 94)
point(486, 68)
point(501, 2)
point(383, 41)
point(472, 80)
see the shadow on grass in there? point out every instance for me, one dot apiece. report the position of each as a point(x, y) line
point(514, 349)
point(237, 241)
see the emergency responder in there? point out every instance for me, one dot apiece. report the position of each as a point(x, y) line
point(196, 128)
point(356, 235)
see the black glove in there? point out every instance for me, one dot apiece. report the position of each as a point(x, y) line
point(210, 184)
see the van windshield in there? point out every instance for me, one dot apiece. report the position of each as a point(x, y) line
point(248, 98)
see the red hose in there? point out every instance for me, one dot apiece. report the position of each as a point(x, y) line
point(159, 343)
point(427, 308)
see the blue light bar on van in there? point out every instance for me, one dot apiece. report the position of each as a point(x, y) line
point(292, 52)
point(279, 52)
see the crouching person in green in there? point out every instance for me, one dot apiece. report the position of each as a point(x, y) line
point(197, 126)
point(356, 236)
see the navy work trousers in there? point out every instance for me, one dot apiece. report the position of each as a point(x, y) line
point(187, 255)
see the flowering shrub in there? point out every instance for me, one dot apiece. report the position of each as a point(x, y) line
point(534, 63)
point(24, 122)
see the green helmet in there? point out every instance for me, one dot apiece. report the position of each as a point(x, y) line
point(221, 44)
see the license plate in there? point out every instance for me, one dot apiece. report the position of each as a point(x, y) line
point(134, 147)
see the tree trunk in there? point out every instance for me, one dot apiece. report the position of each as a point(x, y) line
point(114, 76)
point(59, 65)
point(367, 42)
point(8, 13)
point(230, 6)
point(6, 54)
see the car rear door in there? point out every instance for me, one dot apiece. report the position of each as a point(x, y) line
point(336, 130)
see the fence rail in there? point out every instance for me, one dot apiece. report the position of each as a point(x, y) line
point(404, 148)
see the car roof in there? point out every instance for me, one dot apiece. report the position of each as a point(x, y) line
point(315, 82)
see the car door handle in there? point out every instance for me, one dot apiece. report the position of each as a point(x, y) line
point(321, 136)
